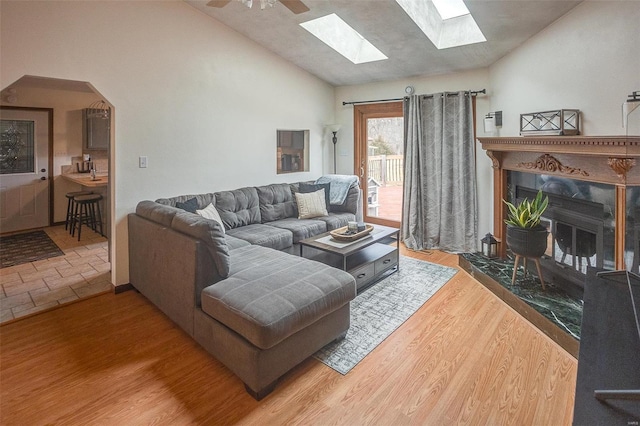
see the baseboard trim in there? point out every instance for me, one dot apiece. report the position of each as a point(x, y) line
point(122, 288)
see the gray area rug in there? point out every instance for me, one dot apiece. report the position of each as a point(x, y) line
point(27, 247)
point(380, 309)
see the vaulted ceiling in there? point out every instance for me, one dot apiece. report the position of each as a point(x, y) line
point(505, 24)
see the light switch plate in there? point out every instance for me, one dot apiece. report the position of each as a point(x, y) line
point(142, 162)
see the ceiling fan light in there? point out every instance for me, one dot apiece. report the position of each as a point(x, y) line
point(264, 3)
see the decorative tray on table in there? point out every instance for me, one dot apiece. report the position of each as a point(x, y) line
point(343, 234)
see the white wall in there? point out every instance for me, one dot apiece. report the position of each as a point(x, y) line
point(589, 59)
point(201, 101)
point(471, 80)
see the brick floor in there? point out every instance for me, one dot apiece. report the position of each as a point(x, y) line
point(82, 272)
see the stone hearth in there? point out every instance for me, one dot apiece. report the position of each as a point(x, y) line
point(553, 311)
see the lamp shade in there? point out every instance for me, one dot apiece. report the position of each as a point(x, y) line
point(333, 127)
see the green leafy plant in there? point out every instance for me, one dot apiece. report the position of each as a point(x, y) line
point(527, 214)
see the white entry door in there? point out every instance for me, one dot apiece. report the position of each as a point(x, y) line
point(24, 169)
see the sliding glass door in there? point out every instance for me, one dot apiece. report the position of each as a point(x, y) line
point(379, 150)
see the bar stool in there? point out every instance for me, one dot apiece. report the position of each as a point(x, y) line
point(87, 211)
point(71, 206)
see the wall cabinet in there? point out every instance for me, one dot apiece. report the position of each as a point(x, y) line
point(96, 131)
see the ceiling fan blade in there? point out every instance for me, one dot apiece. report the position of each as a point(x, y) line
point(296, 6)
point(218, 3)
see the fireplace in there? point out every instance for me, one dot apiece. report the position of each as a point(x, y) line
point(594, 192)
point(580, 225)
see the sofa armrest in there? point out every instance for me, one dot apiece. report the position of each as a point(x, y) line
point(169, 268)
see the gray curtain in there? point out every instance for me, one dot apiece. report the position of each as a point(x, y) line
point(440, 201)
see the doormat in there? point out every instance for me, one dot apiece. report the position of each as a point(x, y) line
point(380, 309)
point(28, 247)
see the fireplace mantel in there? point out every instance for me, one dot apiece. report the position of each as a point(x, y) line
point(589, 145)
point(612, 160)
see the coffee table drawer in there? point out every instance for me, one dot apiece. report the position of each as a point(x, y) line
point(363, 274)
point(386, 262)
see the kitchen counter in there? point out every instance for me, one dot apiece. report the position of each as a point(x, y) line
point(84, 179)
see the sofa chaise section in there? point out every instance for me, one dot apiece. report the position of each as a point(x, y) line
point(284, 309)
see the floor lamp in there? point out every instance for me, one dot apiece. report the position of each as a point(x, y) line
point(333, 128)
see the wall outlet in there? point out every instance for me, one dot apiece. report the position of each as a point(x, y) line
point(142, 162)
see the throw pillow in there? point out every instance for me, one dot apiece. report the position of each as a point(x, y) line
point(304, 188)
point(191, 205)
point(311, 204)
point(210, 212)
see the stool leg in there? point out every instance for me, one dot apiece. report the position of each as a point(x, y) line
point(67, 221)
point(83, 216)
point(515, 269)
point(99, 217)
point(525, 266)
point(537, 262)
point(74, 219)
point(92, 216)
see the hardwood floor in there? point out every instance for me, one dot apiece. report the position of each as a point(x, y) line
point(464, 358)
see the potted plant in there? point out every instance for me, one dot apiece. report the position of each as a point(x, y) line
point(525, 235)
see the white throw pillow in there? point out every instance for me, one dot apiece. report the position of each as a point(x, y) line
point(311, 204)
point(210, 212)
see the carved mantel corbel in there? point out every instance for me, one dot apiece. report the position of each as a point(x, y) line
point(495, 160)
point(621, 166)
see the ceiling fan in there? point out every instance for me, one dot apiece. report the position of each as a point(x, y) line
point(295, 6)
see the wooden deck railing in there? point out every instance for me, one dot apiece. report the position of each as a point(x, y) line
point(386, 169)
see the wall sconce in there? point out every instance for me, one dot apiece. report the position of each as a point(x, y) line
point(492, 121)
point(489, 246)
point(632, 103)
point(333, 128)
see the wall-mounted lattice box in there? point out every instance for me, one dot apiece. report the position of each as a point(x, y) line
point(564, 122)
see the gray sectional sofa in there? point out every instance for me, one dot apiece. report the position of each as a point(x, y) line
point(240, 291)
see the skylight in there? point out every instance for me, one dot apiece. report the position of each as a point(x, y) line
point(443, 32)
point(338, 35)
point(450, 8)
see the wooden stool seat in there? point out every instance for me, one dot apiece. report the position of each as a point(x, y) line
point(87, 211)
point(515, 269)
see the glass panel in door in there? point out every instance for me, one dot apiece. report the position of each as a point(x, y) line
point(24, 164)
point(385, 171)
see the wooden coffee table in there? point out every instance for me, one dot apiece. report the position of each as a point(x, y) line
point(367, 259)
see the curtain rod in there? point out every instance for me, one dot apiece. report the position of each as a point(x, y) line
point(471, 92)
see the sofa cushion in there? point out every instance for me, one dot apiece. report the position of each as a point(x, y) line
point(162, 214)
point(276, 202)
point(301, 228)
point(263, 235)
point(337, 220)
point(239, 207)
point(210, 233)
point(234, 243)
point(271, 295)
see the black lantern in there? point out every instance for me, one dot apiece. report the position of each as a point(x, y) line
point(489, 246)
